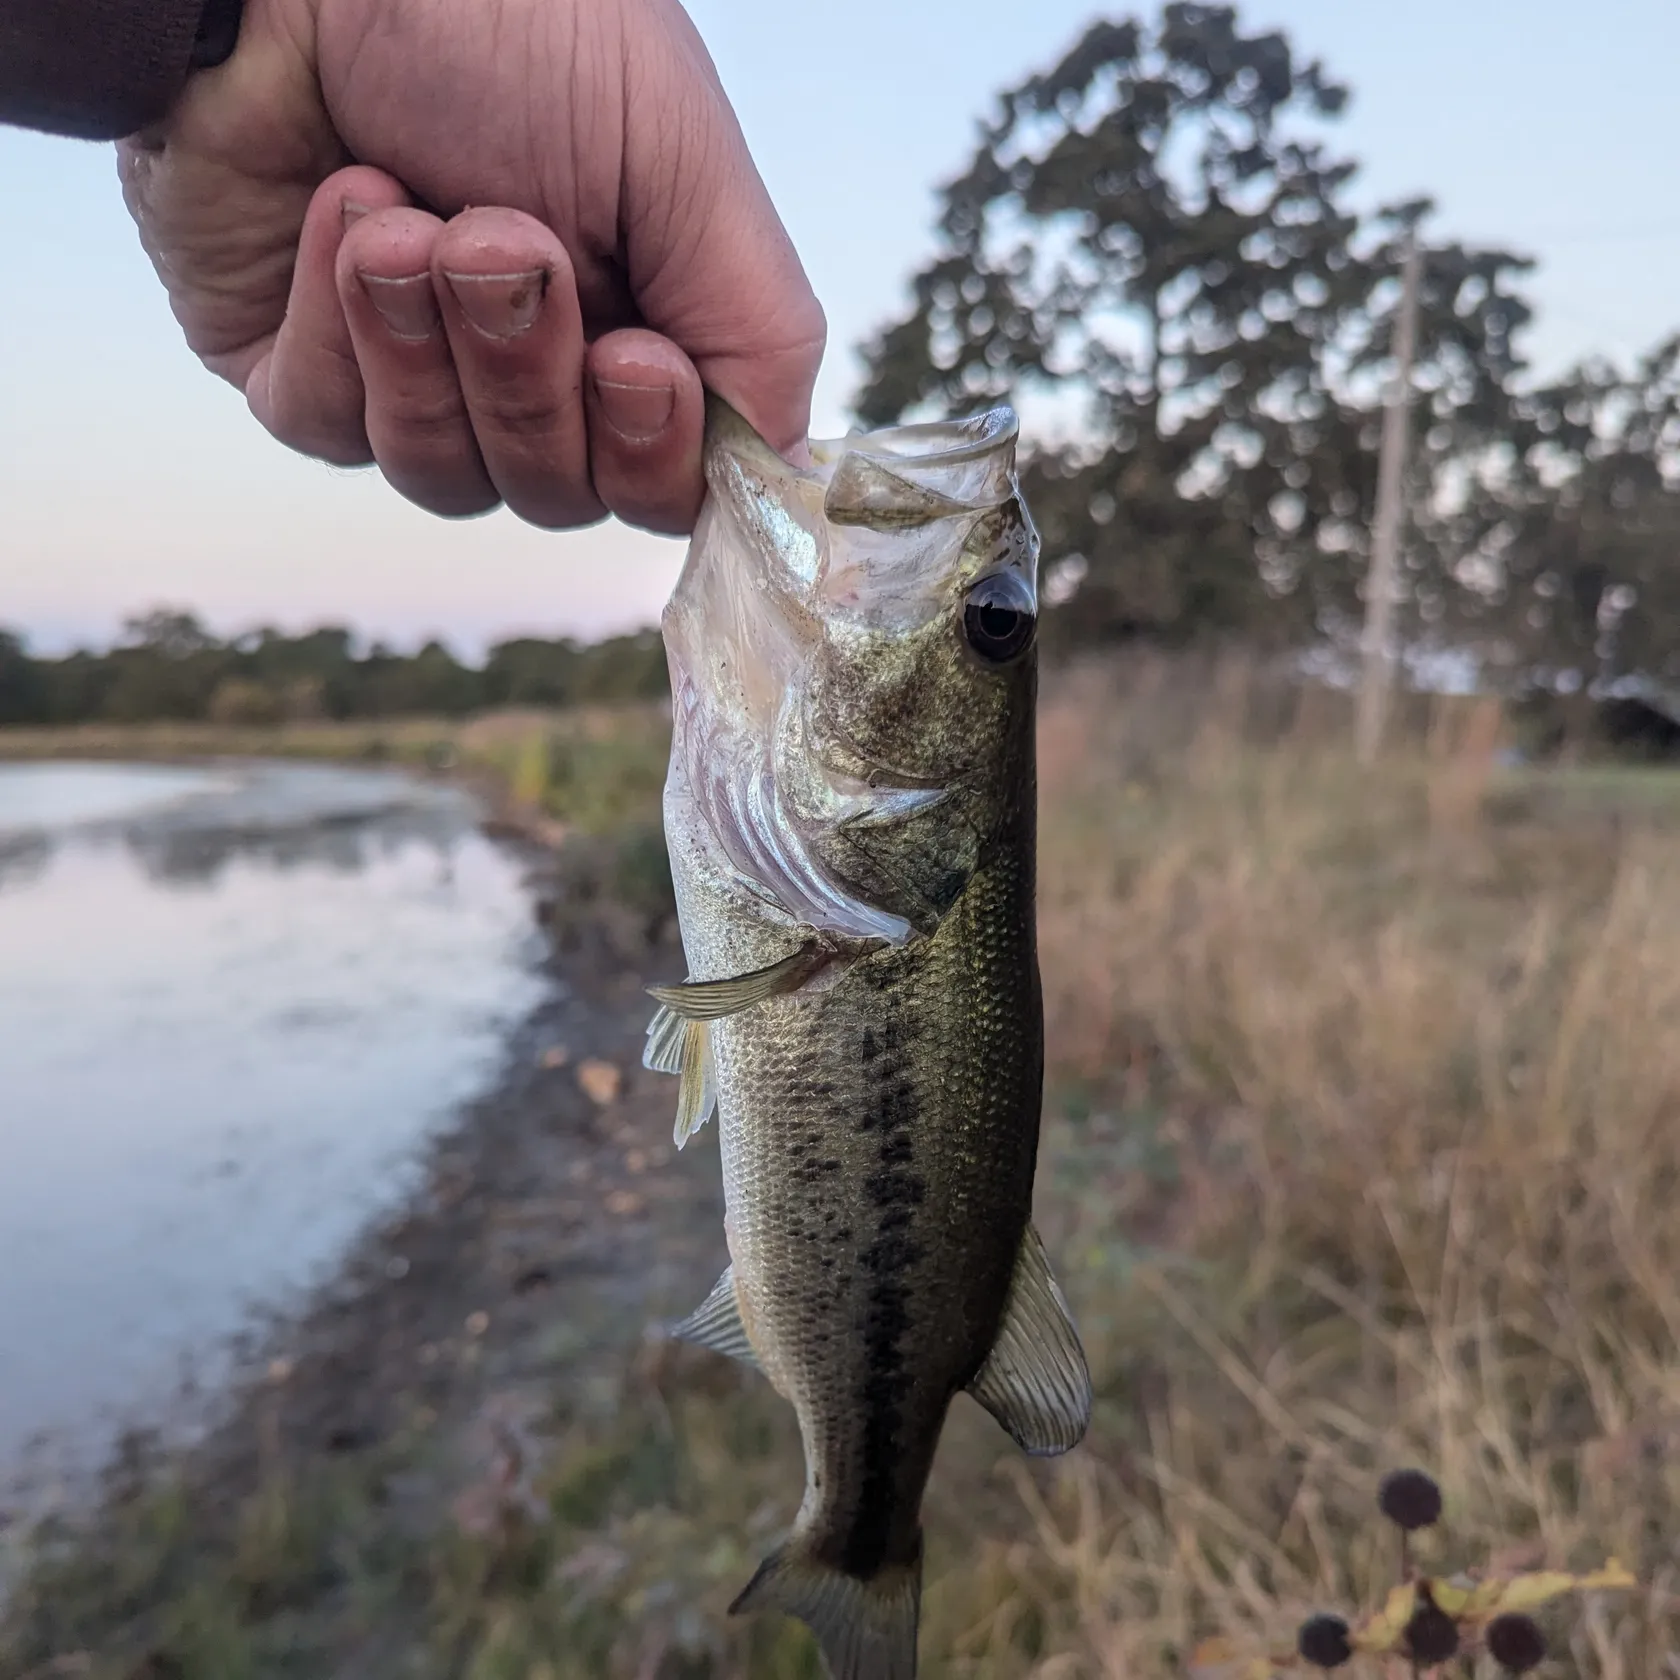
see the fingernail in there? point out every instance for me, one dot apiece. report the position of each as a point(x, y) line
point(352, 212)
point(408, 307)
point(638, 412)
point(500, 305)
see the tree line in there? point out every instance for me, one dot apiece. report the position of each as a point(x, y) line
point(1154, 253)
point(167, 665)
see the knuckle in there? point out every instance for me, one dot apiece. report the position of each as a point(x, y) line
point(553, 507)
point(666, 519)
point(310, 421)
point(524, 407)
point(426, 450)
point(439, 493)
point(339, 441)
point(341, 451)
point(668, 509)
point(429, 416)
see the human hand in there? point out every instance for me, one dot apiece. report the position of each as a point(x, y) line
point(633, 254)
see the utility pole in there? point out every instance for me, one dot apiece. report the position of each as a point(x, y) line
point(1377, 673)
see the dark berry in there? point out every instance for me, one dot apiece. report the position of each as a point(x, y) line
point(1323, 1641)
point(1431, 1634)
point(1410, 1499)
point(1515, 1643)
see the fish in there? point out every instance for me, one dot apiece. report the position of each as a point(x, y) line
point(850, 814)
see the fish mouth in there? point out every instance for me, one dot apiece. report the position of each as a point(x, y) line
point(907, 475)
point(937, 456)
point(869, 527)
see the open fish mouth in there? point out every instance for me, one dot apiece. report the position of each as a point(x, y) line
point(931, 470)
point(889, 498)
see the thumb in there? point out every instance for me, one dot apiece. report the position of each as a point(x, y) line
point(709, 263)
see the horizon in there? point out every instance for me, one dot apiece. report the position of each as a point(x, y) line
point(194, 507)
point(362, 644)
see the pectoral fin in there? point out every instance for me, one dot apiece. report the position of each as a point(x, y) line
point(685, 1049)
point(1035, 1382)
point(711, 1000)
point(716, 1323)
point(663, 1052)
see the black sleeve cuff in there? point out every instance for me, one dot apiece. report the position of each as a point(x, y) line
point(218, 33)
point(100, 69)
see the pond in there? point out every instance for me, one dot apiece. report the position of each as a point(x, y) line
point(234, 1003)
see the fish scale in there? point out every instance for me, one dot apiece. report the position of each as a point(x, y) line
point(878, 1098)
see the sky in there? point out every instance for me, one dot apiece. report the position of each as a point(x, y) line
point(130, 478)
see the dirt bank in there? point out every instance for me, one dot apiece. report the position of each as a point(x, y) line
point(518, 1292)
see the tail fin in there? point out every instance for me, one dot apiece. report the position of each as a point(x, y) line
point(867, 1629)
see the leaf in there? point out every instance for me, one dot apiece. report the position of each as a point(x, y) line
point(601, 1081)
point(1478, 1602)
point(1385, 1629)
point(1226, 1659)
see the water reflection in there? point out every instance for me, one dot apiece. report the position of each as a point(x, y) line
point(184, 856)
point(22, 857)
point(184, 827)
point(226, 1021)
point(51, 797)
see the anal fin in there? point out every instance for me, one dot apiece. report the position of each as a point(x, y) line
point(711, 1000)
point(716, 1323)
point(685, 1049)
point(1035, 1381)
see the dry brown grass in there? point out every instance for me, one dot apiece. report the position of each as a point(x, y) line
point(1374, 1163)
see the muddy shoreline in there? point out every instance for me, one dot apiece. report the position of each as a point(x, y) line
point(555, 1230)
point(518, 1291)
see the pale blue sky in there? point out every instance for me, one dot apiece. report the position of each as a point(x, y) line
point(128, 477)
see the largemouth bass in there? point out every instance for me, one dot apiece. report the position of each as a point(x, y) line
point(850, 817)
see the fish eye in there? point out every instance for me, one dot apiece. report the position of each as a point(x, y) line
point(1000, 616)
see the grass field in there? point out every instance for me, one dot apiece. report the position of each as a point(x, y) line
point(1361, 1150)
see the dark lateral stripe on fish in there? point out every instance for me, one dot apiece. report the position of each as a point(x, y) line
point(808, 1157)
point(895, 1191)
